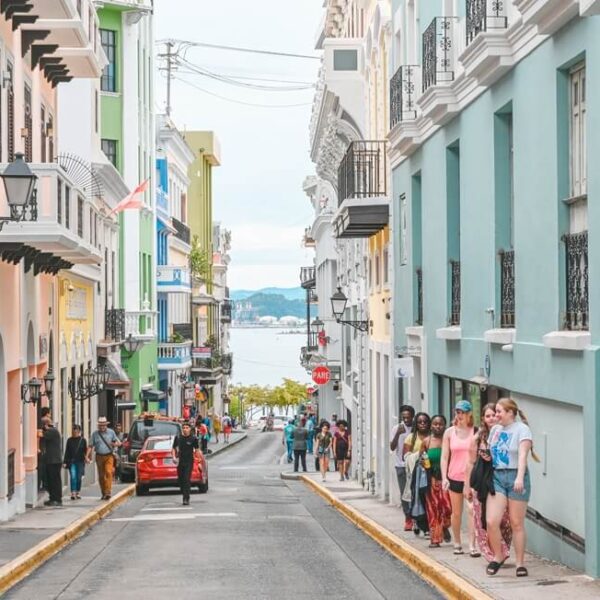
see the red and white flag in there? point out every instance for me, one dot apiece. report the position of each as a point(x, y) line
point(134, 199)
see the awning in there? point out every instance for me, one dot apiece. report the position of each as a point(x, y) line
point(117, 378)
point(153, 395)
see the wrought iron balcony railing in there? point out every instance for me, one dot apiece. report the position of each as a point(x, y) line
point(483, 15)
point(576, 251)
point(227, 363)
point(114, 324)
point(438, 52)
point(455, 289)
point(183, 231)
point(10, 474)
point(507, 288)
point(307, 277)
point(403, 86)
point(226, 311)
point(419, 274)
point(363, 171)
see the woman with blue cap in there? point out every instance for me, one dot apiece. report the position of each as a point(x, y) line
point(456, 446)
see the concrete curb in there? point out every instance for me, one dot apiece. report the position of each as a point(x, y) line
point(450, 584)
point(16, 570)
point(290, 476)
point(233, 442)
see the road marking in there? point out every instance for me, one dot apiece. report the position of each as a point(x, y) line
point(167, 508)
point(173, 517)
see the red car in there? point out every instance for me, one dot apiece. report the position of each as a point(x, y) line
point(155, 467)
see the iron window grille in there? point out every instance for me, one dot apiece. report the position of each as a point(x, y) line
point(28, 124)
point(455, 292)
point(362, 171)
point(438, 52)
point(10, 114)
point(507, 288)
point(483, 15)
point(114, 324)
point(402, 94)
point(67, 207)
point(10, 491)
point(182, 230)
point(419, 274)
point(80, 216)
point(59, 200)
point(576, 252)
point(109, 147)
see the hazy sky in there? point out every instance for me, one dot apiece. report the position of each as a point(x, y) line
point(265, 151)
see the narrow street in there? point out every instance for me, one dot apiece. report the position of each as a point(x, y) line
point(252, 536)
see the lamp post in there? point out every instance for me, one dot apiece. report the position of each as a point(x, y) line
point(19, 185)
point(131, 345)
point(31, 392)
point(91, 383)
point(338, 306)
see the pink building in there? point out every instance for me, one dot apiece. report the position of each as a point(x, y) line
point(43, 44)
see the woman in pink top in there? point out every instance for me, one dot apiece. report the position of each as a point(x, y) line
point(455, 456)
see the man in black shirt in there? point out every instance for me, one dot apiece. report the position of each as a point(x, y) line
point(53, 460)
point(185, 447)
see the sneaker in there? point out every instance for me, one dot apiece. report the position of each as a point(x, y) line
point(186, 502)
point(347, 477)
point(73, 496)
point(408, 524)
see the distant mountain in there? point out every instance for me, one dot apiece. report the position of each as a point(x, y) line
point(295, 293)
point(269, 304)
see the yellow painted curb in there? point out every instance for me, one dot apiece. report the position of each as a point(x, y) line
point(16, 570)
point(444, 579)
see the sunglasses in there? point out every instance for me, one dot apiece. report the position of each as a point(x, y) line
point(459, 411)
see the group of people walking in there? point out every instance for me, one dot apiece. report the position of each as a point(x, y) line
point(301, 436)
point(444, 470)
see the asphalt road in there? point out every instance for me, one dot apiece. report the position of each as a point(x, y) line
point(253, 536)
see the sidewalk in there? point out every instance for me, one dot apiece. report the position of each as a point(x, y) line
point(51, 528)
point(547, 580)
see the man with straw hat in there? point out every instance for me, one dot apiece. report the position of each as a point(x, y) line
point(103, 442)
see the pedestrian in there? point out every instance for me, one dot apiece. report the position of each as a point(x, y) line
point(510, 443)
point(202, 433)
point(45, 416)
point(53, 460)
point(397, 437)
point(300, 437)
point(74, 460)
point(324, 442)
point(217, 426)
point(226, 427)
point(185, 450)
point(103, 443)
point(416, 488)
point(437, 502)
point(455, 456)
point(310, 427)
point(342, 449)
point(479, 483)
point(288, 439)
point(118, 451)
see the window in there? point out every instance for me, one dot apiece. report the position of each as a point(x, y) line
point(79, 216)
point(43, 133)
point(50, 131)
point(377, 271)
point(109, 147)
point(96, 111)
point(345, 60)
point(108, 83)
point(577, 132)
point(67, 207)
point(386, 265)
point(10, 116)
point(403, 230)
point(59, 210)
point(28, 123)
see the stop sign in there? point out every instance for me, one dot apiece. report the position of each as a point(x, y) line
point(321, 375)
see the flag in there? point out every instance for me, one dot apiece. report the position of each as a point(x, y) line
point(133, 200)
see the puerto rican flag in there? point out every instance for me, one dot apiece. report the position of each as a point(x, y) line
point(134, 199)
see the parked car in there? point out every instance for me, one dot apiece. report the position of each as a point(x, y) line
point(143, 427)
point(155, 467)
point(279, 422)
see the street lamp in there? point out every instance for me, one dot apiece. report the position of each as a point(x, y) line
point(19, 185)
point(131, 345)
point(338, 306)
point(31, 392)
point(317, 326)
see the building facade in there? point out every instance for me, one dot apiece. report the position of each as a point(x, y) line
point(492, 109)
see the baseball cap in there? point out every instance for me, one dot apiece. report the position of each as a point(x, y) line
point(464, 405)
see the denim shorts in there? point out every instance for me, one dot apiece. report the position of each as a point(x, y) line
point(504, 480)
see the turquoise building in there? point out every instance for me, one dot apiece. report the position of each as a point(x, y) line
point(495, 229)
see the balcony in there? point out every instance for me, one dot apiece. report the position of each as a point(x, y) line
point(207, 370)
point(403, 94)
point(307, 277)
point(141, 324)
point(227, 363)
point(182, 231)
point(362, 190)
point(60, 237)
point(174, 356)
point(114, 325)
point(226, 311)
point(507, 289)
point(577, 280)
point(173, 280)
point(485, 15)
point(419, 277)
point(455, 293)
point(548, 15)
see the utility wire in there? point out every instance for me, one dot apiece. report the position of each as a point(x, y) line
point(238, 49)
point(189, 83)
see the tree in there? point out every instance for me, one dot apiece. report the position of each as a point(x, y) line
point(200, 264)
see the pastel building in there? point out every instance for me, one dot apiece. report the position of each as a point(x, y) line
point(493, 113)
point(174, 286)
point(42, 46)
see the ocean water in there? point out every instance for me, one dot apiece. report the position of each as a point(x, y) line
point(264, 356)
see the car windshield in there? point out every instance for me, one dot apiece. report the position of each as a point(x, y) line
point(159, 444)
point(141, 430)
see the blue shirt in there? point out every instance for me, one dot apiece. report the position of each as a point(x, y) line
point(289, 432)
point(100, 447)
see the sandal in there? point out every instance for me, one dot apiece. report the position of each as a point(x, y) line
point(458, 550)
point(492, 568)
point(522, 572)
point(434, 545)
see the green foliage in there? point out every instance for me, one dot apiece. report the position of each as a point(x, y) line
point(177, 338)
point(285, 396)
point(200, 262)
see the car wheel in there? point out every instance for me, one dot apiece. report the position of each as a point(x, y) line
point(141, 490)
point(126, 477)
